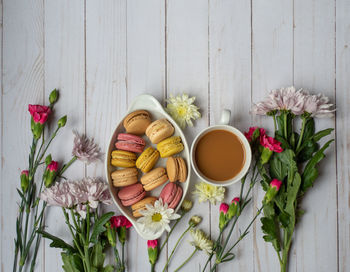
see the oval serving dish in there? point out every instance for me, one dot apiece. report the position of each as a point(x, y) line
point(151, 104)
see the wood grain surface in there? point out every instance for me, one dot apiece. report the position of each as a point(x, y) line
point(229, 54)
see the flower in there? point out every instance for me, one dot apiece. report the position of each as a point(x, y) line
point(85, 149)
point(152, 243)
point(275, 183)
point(209, 192)
point(62, 121)
point(24, 180)
point(235, 201)
point(59, 195)
point(234, 208)
point(271, 143)
point(250, 134)
point(39, 113)
point(223, 208)
point(195, 220)
point(186, 205)
point(272, 191)
point(281, 99)
point(318, 106)
point(50, 173)
point(53, 96)
point(152, 248)
point(157, 217)
point(120, 221)
point(201, 241)
point(223, 219)
point(181, 108)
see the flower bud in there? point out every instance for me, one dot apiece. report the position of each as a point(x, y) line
point(275, 185)
point(195, 220)
point(39, 116)
point(234, 208)
point(24, 180)
point(222, 218)
point(53, 96)
point(152, 248)
point(62, 121)
point(50, 173)
point(186, 205)
point(111, 234)
point(121, 234)
point(48, 159)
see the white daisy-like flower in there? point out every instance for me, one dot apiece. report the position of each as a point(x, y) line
point(206, 191)
point(201, 241)
point(318, 106)
point(182, 109)
point(157, 217)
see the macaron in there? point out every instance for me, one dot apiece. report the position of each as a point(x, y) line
point(147, 159)
point(171, 194)
point(141, 205)
point(136, 122)
point(130, 142)
point(123, 158)
point(154, 178)
point(159, 130)
point(131, 194)
point(124, 177)
point(170, 146)
point(176, 169)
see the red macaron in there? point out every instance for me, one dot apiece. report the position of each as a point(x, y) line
point(131, 194)
point(171, 194)
point(130, 142)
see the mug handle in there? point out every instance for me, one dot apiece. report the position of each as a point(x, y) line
point(225, 117)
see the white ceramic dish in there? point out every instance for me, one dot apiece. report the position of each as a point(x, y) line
point(151, 104)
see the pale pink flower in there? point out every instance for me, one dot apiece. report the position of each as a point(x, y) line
point(85, 149)
point(318, 106)
point(59, 195)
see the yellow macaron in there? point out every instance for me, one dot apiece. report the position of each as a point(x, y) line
point(147, 159)
point(123, 158)
point(170, 146)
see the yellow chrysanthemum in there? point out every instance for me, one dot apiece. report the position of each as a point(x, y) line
point(205, 192)
point(182, 109)
point(201, 241)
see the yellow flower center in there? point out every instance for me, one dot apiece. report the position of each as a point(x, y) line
point(182, 111)
point(157, 217)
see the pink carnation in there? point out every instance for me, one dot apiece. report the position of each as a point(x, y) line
point(224, 208)
point(120, 221)
point(249, 134)
point(275, 183)
point(39, 113)
point(271, 143)
point(25, 172)
point(53, 166)
point(235, 200)
point(152, 243)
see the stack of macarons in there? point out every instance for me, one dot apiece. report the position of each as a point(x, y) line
point(132, 189)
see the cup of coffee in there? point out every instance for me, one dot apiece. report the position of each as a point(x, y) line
point(221, 154)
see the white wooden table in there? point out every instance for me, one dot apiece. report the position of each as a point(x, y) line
point(228, 53)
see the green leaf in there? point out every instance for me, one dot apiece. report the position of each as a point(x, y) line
point(99, 226)
point(98, 257)
point(57, 242)
point(71, 263)
point(284, 218)
point(278, 170)
point(269, 229)
point(308, 150)
point(309, 130)
point(284, 143)
point(108, 268)
point(310, 172)
point(319, 135)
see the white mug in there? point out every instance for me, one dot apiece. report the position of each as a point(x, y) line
point(223, 125)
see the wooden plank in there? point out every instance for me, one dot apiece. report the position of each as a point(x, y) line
point(145, 74)
point(314, 70)
point(64, 70)
point(187, 71)
point(343, 135)
point(272, 67)
point(23, 70)
point(230, 87)
point(105, 75)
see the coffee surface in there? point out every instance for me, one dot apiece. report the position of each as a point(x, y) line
point(220, 155)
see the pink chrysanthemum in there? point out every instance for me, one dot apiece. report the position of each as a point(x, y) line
point(85, 149)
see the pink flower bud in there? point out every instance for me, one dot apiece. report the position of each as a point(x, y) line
point(120, 221)
point(275, 183)
point(39, 113)
point(223, 208)
point(249, 134)
point(25, 172)
point(271, 143)
point(53, 166)
point(152, 243)
point(235, 200)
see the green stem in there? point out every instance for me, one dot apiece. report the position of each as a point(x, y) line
point(170, 232)
point(87, 224)
point(285, 125)
point(274, 121)
point(187, 260)
point(71, 231)
point(65, 167)
point(117, 258)
point(301, 134)
point(123, 258)
point(212, 253)
point(40, 156)
point(177, 243)
point(152, 267)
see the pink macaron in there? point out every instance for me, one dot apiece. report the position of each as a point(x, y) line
point(131, 194)
point(130, 142)
point(171, 194)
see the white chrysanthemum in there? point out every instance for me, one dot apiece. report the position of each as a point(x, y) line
point(182, 109)
point(318, 106)
point(206, 191)
point(85, 149)
point(201, 241)
point(157, 217)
